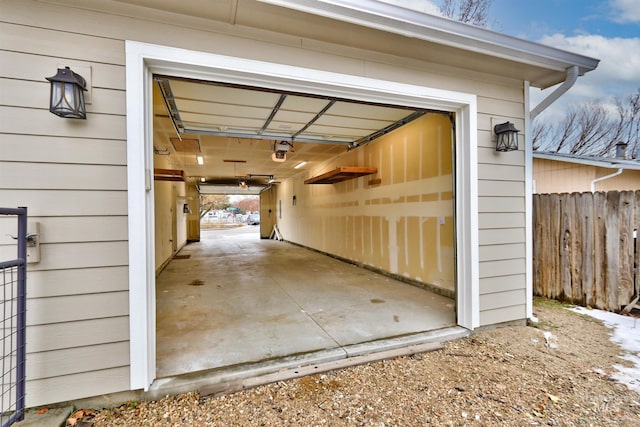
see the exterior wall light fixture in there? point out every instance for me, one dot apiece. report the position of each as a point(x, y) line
point(507, 136)
point(67, 94)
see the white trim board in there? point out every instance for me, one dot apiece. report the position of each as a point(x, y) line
point(143, 60)
point(528, 171)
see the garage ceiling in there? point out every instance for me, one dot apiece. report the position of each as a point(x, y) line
point(236, 128)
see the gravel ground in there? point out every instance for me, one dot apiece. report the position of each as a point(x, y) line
point(509, 376)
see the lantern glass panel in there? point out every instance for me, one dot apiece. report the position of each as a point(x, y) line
point(67, 96)
point(507, 137)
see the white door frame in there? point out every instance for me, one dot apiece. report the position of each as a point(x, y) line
point(143, 60)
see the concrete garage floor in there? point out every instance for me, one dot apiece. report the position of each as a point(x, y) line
point(238, 299)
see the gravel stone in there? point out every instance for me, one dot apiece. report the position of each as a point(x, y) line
point(506, 376)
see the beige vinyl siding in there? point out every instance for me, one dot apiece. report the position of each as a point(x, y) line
point(501, 207)
point(61, 152)
point(48, 176)
point(502, 251)
point(72, 176)
point(51, 149)
point(81, 333)
point(57, 363)
point(628, 180)
point(496, 220)
point(499, 284)
point(81, 384)
point(77, 281)
point(69, 308)
point(563, 177)
point(498, 315)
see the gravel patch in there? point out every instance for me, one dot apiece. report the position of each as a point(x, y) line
point(557, 372)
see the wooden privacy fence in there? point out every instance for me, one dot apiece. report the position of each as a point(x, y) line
point(584, 250)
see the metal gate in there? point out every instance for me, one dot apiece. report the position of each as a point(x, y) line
point(13, 300)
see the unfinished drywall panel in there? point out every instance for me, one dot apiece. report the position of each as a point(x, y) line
point(170, 216)
point(268, 211)
point(193, 217)
point(399, 219)
point(163, 223)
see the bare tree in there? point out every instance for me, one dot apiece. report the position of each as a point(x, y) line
point(213, 202)
point(469, 11)
point(592, 129)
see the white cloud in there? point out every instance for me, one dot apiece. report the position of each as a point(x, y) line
point(626, 10)
point(616, 76)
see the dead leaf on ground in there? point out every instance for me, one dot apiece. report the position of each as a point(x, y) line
point(554, 399)
point(42, 411)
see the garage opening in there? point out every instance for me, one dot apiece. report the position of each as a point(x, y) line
point(356, 220)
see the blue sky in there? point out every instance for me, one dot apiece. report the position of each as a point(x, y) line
point(605, 29)
point(535, 19)
point(608, 30)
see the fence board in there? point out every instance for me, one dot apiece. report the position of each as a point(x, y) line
point(574, 291)
point(567, 223)
point(537, 243)
point(637, 242)
point(585, 250)
point(554, 246)
point(599, 242)
point(612, 249)
point(626, 273)
point(584, 207)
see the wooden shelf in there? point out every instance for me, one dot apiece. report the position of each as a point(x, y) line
point(340, 174)
point(168, 175)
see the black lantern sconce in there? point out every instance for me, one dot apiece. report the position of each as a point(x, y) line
point(507, 136)
point(67, 94)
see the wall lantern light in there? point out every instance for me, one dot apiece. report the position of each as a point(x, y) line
point(507, 135)
point(67, 94)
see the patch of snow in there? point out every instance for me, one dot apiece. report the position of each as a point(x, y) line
point(626, 333)
point(551, 340)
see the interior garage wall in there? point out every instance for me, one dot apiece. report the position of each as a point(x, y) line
point(268, 211)
point(170, 219)
point(193, 218)
point(403, 224)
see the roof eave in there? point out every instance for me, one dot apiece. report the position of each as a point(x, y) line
point(609, 163)
point(432, 28)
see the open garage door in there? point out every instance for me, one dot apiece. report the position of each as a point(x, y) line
point(288, 202)
point(231, 299)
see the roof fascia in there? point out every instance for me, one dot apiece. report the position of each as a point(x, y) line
point(432, 28)
point(601, 163)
